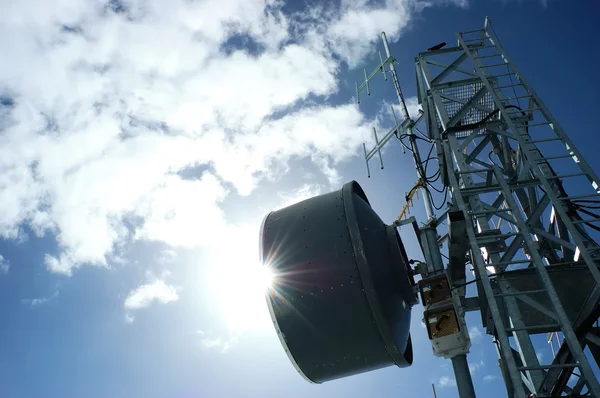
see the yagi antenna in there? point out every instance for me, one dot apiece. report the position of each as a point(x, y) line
point(394, 131)
point(380, 144)
point(398, 127)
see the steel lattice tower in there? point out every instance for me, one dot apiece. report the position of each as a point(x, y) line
point(525, 198)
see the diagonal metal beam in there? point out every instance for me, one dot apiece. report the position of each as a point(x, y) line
point(505, 215)
point(533, 303)
point(478, 147)
point(449, 69)
point(593, 338)
point(467, 107)
point(553, 238)
point(463, 101)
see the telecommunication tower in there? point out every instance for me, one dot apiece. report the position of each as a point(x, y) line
point(518, 225)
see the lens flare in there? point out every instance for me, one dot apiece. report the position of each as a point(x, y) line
point(266, 277)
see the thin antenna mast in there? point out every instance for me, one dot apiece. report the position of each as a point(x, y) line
point(455, 344)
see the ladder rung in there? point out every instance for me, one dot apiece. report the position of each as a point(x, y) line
point(539, 124)
point(519, 112)
point(520, 293)
point(534, 328)
point(507, 86)
point(566, 176)
point(471, 31)
point(483, 213)
point(585, 221)
point(566, 263)
point(497, 236)
point(504, 74)
point(543, 160)
point(519, 97)
point(594, 195)
point(544, 140)
point(552, 366)
point(471, 40)
point(488, 56)
point(494, 65)
point(518, 117)
point(473, 171)
point(509, 263)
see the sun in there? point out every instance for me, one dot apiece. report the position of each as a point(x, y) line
point(265, 277)
point(238, 288)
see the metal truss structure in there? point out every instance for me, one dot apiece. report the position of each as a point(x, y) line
point(525, 198)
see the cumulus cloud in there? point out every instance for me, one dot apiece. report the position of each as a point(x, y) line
point(391, 111)
point(360, 24)
point(167, 256)
point(36, 302)
point(222, 344)
point(306, 191)
point(4, 265)
point(105, 107)
point(474, 367)
point(446, 381)
point(156, 291)
point(475, 334)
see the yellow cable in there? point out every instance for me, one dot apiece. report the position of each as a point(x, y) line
point(412, 193)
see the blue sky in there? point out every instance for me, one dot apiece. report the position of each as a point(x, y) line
point(142, 143)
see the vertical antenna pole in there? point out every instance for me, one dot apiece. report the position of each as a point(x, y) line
point(357, 94)
point(367, 82)
point(414, 148)
point(396, 127)
point(463, 377)
point(367, 161)
point(378, 148)
point(428, 233)
point(382, 67)
point(403, 109)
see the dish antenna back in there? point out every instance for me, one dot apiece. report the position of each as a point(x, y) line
point(343, 289)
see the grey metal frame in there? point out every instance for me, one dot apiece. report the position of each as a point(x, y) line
point(539, 229)
point(531, 240)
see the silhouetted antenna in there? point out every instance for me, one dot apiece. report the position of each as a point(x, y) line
point(394, 130)
point(378, 147)
point(382, 68)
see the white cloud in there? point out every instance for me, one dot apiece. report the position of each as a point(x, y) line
point(306, 191)
point(475, 367)
point(36, 302)
point(4, 265)
point(360, 25)
point(176, 212)
point(446, 381)
point(167, 256)
point(102, 111)
point(412, 107)
point(129, 318)
point(539, 355)
point(490, 377)
point(222, 344)
point(475, 334)
point(156, 291)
